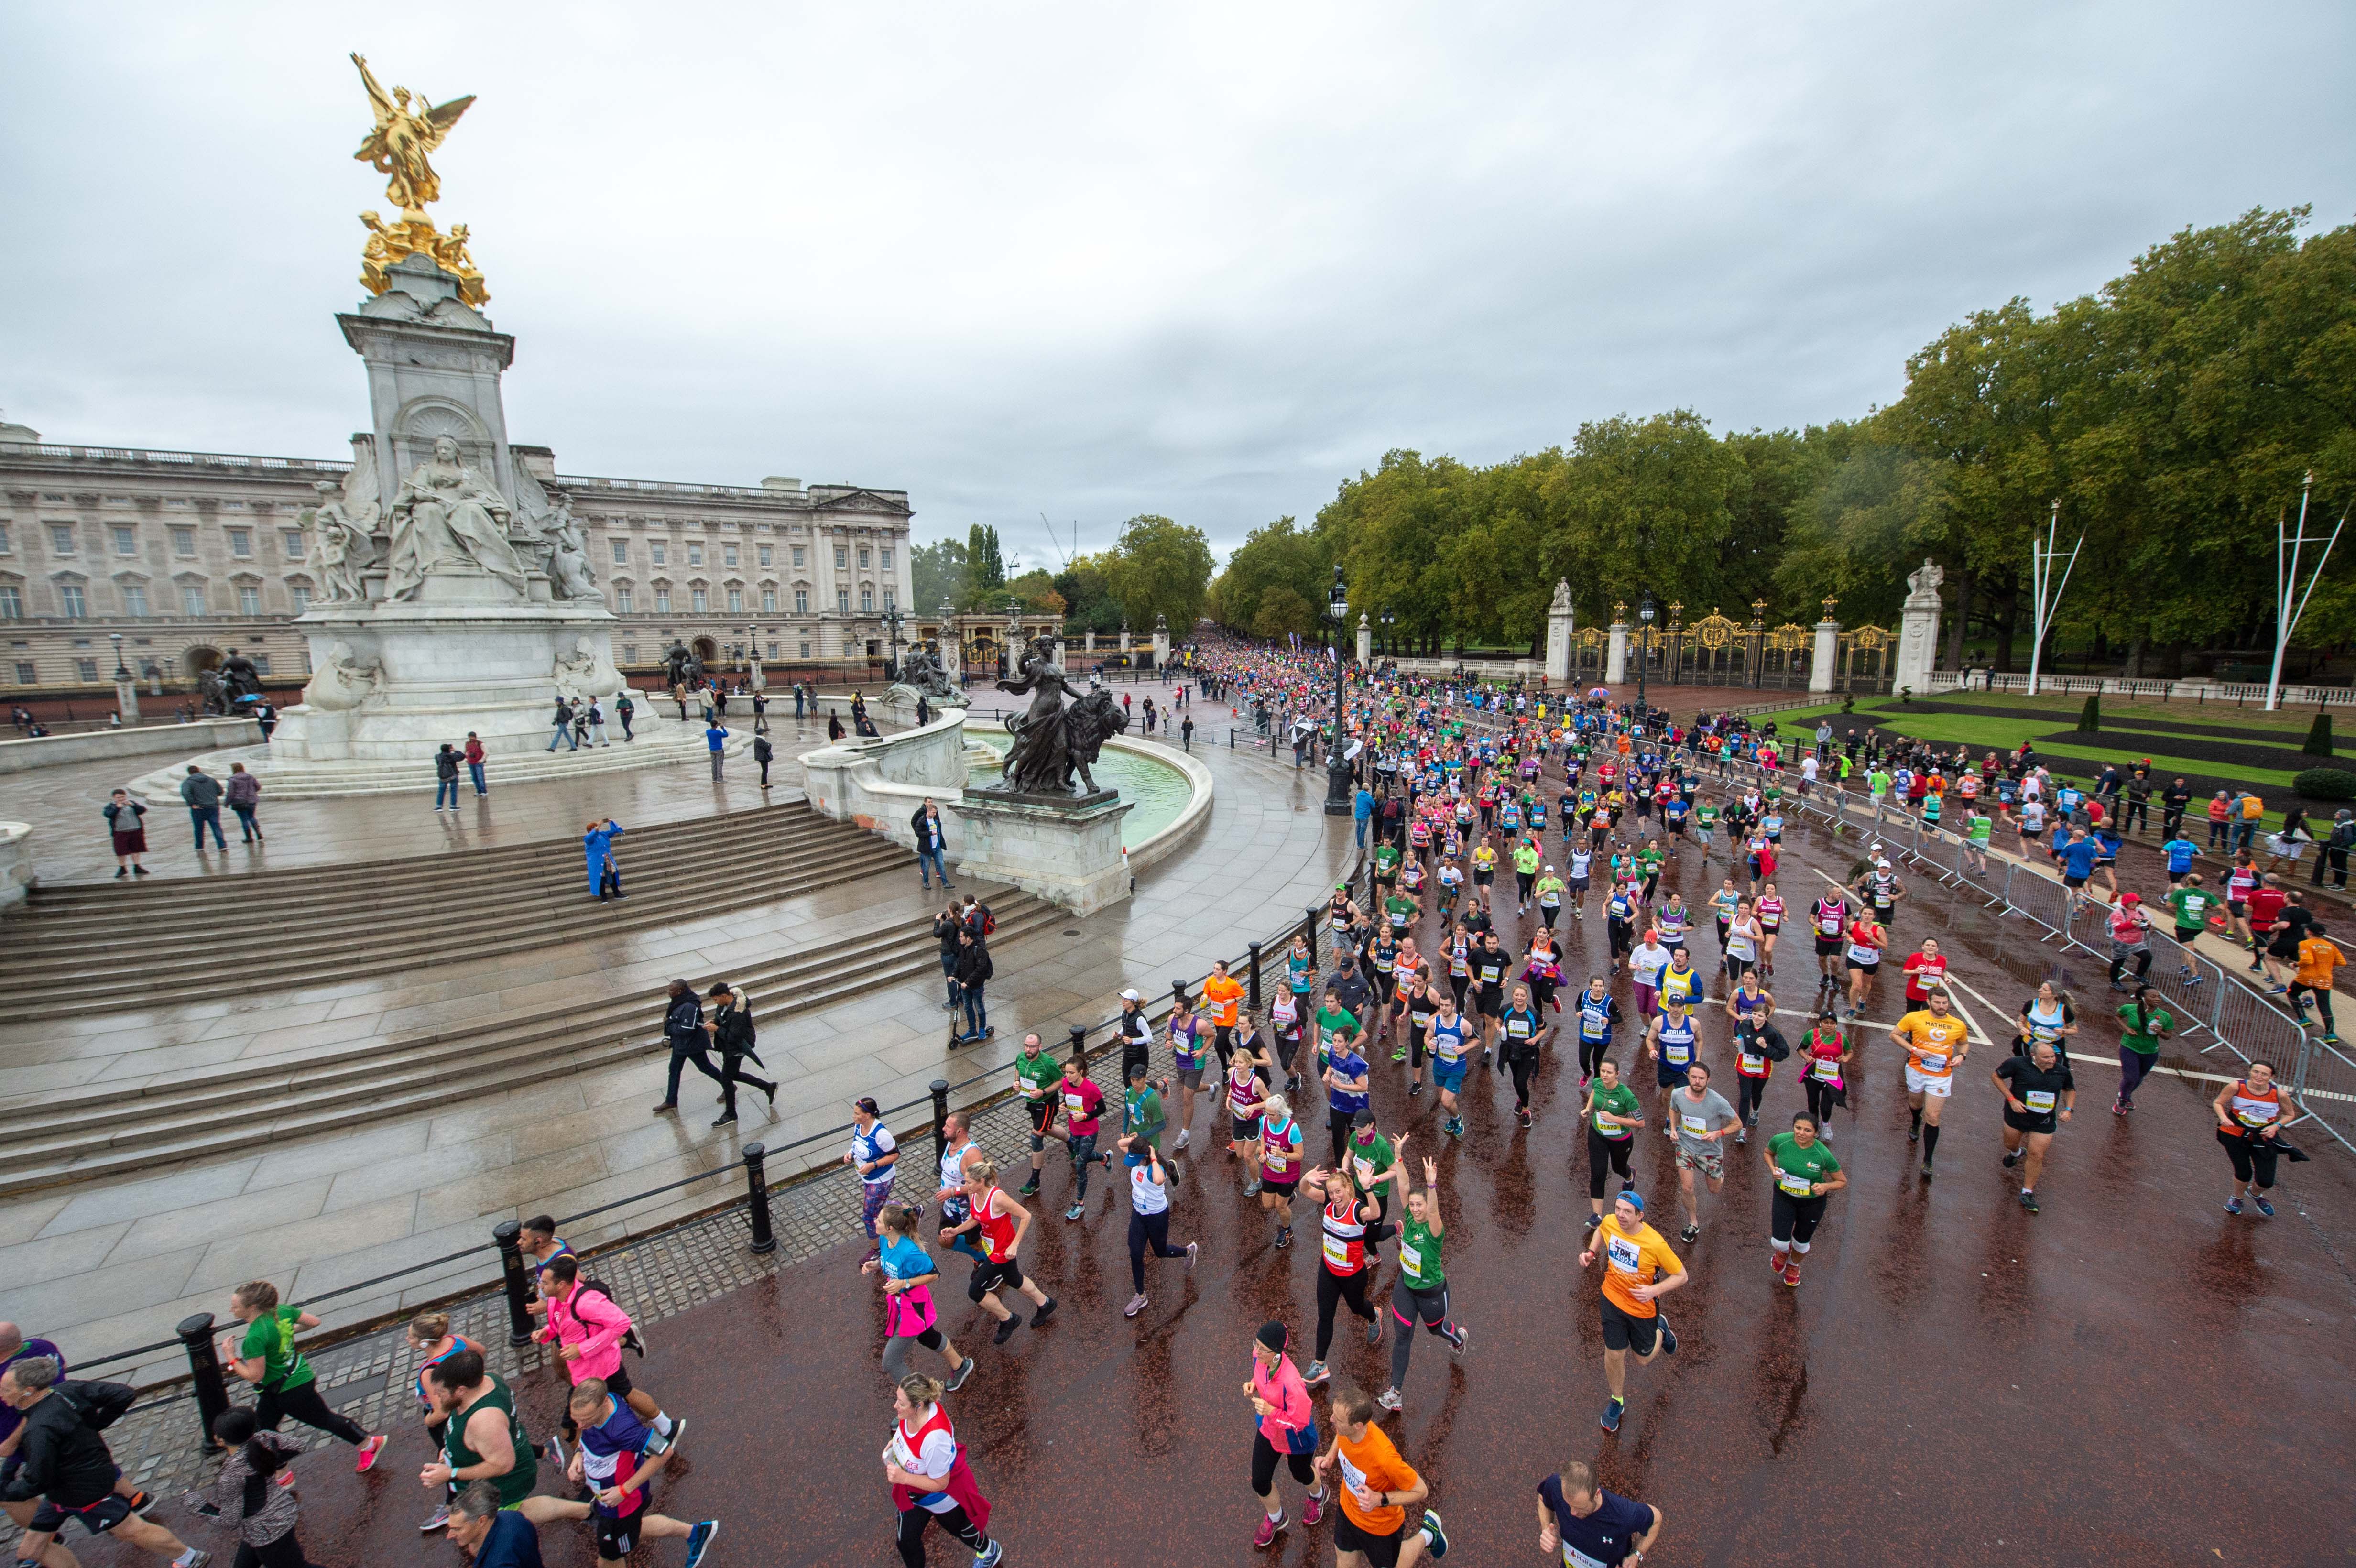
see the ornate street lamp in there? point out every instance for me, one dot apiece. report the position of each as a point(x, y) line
point(1644, 652)
point(1390, 644)
point(1337, 763)
point(892, 622)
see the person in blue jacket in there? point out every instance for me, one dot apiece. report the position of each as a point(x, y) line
point(597, 844)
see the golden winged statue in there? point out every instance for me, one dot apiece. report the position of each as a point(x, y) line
point(406, 130)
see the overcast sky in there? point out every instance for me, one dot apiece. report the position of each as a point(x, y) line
point(1096, 260)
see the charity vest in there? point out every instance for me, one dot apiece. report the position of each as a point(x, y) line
point(2252, 1108)
point(1677, 1041)
point(1345, 1238)
point(1279, 1145)
point(997, 1230)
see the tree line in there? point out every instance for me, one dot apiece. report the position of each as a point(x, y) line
point(1156, 568)
point(2171, 414)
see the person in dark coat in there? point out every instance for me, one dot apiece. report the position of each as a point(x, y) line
point(683, 1031)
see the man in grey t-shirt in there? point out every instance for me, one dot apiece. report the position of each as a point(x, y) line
point(1700, 1117)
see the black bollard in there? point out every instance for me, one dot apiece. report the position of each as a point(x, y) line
point(940, 1087)
point(511, 1278)
point(1255, 977)
point(1309, 929)
point(757, 1201)
point(195, 1332)
point(1080, 1047)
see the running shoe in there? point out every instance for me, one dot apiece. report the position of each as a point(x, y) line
point(1375, 1330)
point(1914, 1133)
point(1399, 1054)
point(1028, 1190)
point(1435, 1534)
point(1593, 1220)
point(1668, 1338)
point(1612, 1411)
point(1316, 1374)
point(1523, 1114)
point(1006, 1330)
point(1251, 1189)
point(285, 1476)
point(1389, 1398)
point(1269, 1523)
point(1313, 1508)
point(195, 1559)
point(700, 1537)
point(1456, 1345)
point(1074, 1211)
point(1284, 1237)
point(1194, 1250)
point(1043, 1313)
point(2266, 1209)
point(1453, 1127)
point(435, 1521)
point(556, 1450)
point(957, 1379)
point(2011, 1158)
point(1415, 1088)
point(1926, 1170)
point(1743, 1135)
point(1185, 1135)
point(1690, 1234)
point(2028, 1200)
point(1136, 1305)
point(1778, 1261)
point(2118, 1107)
point(1792, 1273)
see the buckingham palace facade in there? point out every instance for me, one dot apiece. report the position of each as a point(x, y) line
point(187, 554)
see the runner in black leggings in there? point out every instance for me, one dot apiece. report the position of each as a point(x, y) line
point(1351, 1228)
point(1613, 1104)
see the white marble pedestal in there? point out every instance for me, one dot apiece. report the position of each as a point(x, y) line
point(1066, 851)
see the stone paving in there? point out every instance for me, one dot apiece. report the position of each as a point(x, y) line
point(1955, 1382)
point(117, 1264)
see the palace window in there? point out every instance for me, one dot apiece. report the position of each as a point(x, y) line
point(699, 601)
point(629, 653)
point(735, 601)
point(126, 540)
point(728, 555)
point(841, 557)
point(70, 596)
point(134, 599)
point(61, 539)
point(863, 558)
point(842, 600)
point(86, 671)
point(622, 603)
point(5, 548)
point(866, 601)
point(801, 603)
point(694, 553)
point(770, 604)
point(662, 601)
point(12, 602)
point(249, 600)
point(655, 550)
point(301, 595)
point(887, 558)
point(25, 674)
point(183, 541)
point(192, 600)
point(621, 553)
point(798, 555)
point(767, 553)
point(888, 595)
point(241, 542)
point(290, 543)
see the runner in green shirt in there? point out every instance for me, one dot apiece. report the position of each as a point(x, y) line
point(2142, 1026)
point(1141, 1115)
point(2191, 902)
point(1525, 871)
point(1370, 1160)
point(1805, 1174)
point(1706, 823)
point(1613, 1114)
point(1039, 1076)
point(1877, 784)
point(1401, 909)
point(1979, 828)
point(1420, 1293)
point(284, 1382)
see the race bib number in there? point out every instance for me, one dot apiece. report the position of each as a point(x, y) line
point(1797, 1186)
point(1864, 954)
point(1337, 1253)
point(2039, 1101)
point(1753, 1062)
point(1074, 1104)
point(1825, 1069)
point(1935, 1061)
point(1677, 1055)
point(1624, 1254)
point(1410, 1262)
point(1697, 1126)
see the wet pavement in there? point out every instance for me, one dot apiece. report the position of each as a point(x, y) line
point(2130, 1376)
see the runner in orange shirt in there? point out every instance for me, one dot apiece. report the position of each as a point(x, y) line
point(1221, 993)
point(1638, 1270)
point(1378, 1488)
point(2316, 959)
point(1935, 1041)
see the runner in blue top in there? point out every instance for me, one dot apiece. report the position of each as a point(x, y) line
point(1346, 1090)
point(1597, 1011)
point(1447, 1050)
point(617, 1457)
point(1590, 1526)
point(2180, 851)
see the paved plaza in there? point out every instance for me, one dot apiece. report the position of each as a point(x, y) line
point(2130, 1376)
point(115, 1265)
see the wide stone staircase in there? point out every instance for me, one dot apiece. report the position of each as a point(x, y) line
point(77, 948)
point(87, 1134)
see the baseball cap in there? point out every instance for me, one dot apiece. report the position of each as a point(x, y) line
point(1634, 1198)
point(1130, 996)
point(2130, 898)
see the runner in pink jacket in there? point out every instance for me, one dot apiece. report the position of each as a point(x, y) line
point(1287, 1426)
point(590, 1325)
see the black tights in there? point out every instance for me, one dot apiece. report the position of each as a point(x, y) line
point(306, 1405)
point(1592, 1053)
point(1332, 1289)
point(913, 1521)
point(1608, 1154)
point(1265, 1459)
point(2142, 965)
point(1750, 1098)
point(1524, 1068)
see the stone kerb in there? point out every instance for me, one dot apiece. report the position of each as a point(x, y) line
point(22, 755)
point(879, 783)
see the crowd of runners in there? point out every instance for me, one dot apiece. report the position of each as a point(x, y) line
point(1500, 827)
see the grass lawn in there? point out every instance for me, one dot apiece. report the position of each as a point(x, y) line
point(2066, 706)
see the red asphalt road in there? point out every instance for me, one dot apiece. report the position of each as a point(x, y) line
point(2129, 1377)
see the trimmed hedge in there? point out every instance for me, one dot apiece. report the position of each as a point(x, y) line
point(2326, 783)
point(2091, 716)
point(2318, 737)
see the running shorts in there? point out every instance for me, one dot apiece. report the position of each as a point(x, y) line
point(1829, 946)
point(1939, 1086)
point(1493, 1002)
point(1243, 1130)
point(1043, 1116)
point(988, 1277)
point(1712, 1165)
point(1379, 1551)
point(2031, 1122)
point(1191, 1077)
point(1857, 968)
point(1451, 1077)
point(617, 1537)
point(1280, 1188)
point(1624, 1330)
point(98, 1517)
point(617, 1383)
point(1671, 1077)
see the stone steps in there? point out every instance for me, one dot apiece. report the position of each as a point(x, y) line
point(82, 1134)
point(159, 947)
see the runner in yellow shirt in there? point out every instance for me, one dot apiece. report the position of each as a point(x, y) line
point(1935, 1041)
point(1638, 1270)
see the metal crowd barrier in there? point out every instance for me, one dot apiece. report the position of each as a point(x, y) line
point(2203, 998)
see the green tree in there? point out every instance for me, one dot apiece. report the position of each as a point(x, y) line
point(936, 572)
point(1281, 613)
point(1161, 568)
point(985, 572)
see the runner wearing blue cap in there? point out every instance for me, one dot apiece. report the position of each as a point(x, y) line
point(1638, 1270)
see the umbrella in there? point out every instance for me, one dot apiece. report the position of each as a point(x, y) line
point(1600, 693)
